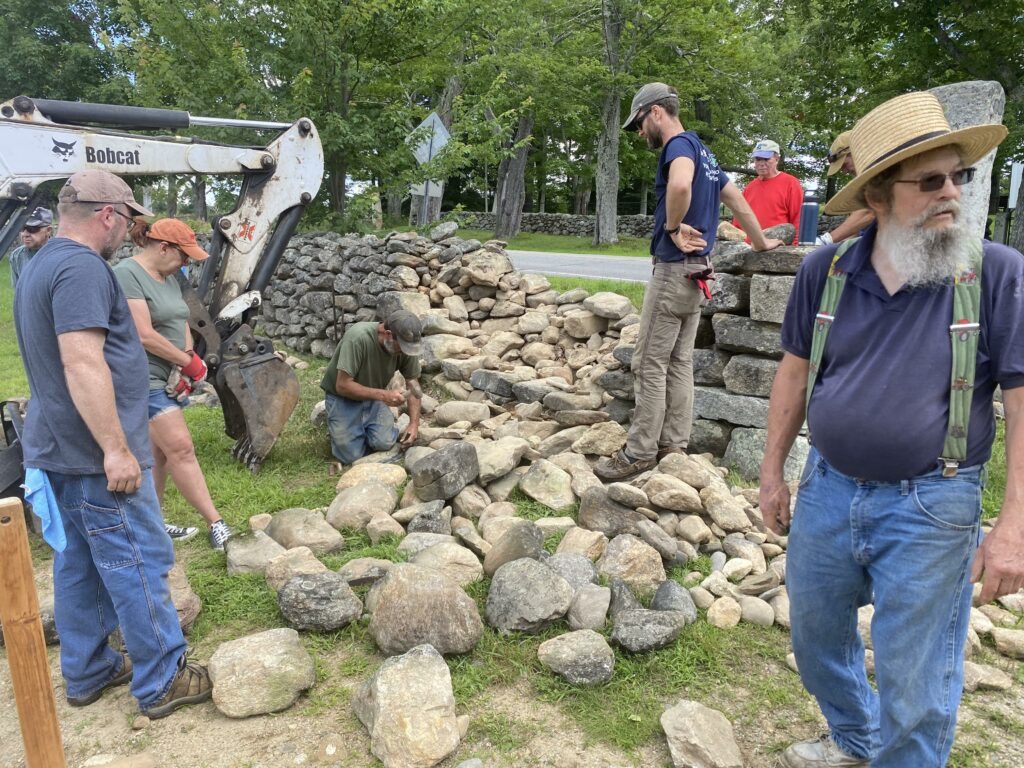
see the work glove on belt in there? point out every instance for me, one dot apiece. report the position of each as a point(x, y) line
point(178, 386)
point(701, 279)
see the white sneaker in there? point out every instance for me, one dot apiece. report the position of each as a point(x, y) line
point(178, 533)
point(821, 752)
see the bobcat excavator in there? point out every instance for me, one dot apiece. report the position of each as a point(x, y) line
point(43, 140)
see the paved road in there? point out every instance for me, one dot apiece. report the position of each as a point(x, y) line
point(635, 269)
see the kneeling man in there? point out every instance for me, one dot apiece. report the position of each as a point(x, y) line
point(359, 419)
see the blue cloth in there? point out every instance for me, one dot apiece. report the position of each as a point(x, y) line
point(114, 572)
point(886, 368)
point(39, 493)
point(160, 402)
point(708, 180)
point(908, 548)
point(69, 287)
point(358, 427)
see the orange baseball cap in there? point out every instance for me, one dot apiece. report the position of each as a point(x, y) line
point(177, 233)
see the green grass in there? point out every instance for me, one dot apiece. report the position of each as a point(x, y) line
point(13, 382)
point(632, 291)
point(992, 497)
point(537, 241)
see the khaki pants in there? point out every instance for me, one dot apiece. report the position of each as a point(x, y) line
point(663, 361)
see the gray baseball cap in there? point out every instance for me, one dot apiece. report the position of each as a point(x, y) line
point(40, 217)
point(408, 331)
point(646, 96)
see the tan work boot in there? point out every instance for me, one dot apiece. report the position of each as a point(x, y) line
point(191, 685)
point(122, 677)
point(821, 752)
point(619, 467)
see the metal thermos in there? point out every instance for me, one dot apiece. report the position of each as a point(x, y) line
point(809, 218)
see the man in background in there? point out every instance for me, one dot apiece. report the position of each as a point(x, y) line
point(775, 196)
point(36, 231)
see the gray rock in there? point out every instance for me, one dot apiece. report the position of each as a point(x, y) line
point(699, 736)
point(718, 404)
point(363, 571)
point(580, 418)
point(628, 495)
point(768, 297)
point(601, 439)
point(392, 301)
point(583, 324)
point(454, 411)
point(730, 293)
point(727, 512)
point(496, 459)
point(644, 630)
point(560, 441)
point(613, 306)
point(652, 535)
point(354, 507)
point(431, 519)
point(291, 563)
point(443, 474)
point(414, 605)
point(443, 231)
point(486, 267)
point(709, 437)
point(304, 528)
point(440, 346)
point(1009, 642)
point(548, 484)
point(621, 598)
point(580, 541)
point(564, 401)
point(709, 366)
point(408, 707)
point(470, 502)
point(319, 601)
point(746, 450)
point(522, 539)
point(574, 568)
point(673, 596)
point(725, 613)
point(632, 560)
point(260, 673)
point(589, 607)
point(599, 513)
point(756, 611)
point(980, 677)
point(582, 657)
point(669, 492)
point(741, 334)
point(750, 375)
point(465, 532)
point(525, 596)
point(453, 560)
point(250, 553)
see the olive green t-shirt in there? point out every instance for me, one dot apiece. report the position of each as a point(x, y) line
point(362, 357)
point(168, 312)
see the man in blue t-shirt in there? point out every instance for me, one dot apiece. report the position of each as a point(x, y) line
point(888, 510)
point(689, 185)
point(86, 434)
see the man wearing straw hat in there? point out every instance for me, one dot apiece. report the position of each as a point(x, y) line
point(840, 159)
point(889, 503)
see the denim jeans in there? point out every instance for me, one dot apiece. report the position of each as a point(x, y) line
point(359, 427)
point(907, 547)
point(113, 573)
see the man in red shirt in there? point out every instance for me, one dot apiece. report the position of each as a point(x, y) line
point(775, 196)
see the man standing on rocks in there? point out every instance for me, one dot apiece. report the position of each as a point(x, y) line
point(359, 419)
point(86, 437)
point(689, 186)
point(775, 196)
point(35, 232)
point(889, 504)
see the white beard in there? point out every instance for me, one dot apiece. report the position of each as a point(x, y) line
point(926, 256)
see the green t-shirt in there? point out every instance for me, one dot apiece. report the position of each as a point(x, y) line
point(362, 357)
point(168, 312)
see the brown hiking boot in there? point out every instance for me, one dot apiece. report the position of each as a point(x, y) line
point(191, 685)
point(122, 677)
point(619, 467)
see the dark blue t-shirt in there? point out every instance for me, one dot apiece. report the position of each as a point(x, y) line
point(880, 408)
point(69, 287)
point(708, 180)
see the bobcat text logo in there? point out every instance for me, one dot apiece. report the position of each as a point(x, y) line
point(65, 150)
point(112, 156)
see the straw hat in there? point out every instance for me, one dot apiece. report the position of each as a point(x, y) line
point(839, 150)
point(901, 128)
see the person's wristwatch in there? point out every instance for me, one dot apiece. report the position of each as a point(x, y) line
point(672, 230)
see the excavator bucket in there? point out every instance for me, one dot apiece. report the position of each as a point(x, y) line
point(258, 392)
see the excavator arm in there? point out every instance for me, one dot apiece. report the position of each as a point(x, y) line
point(43, 140)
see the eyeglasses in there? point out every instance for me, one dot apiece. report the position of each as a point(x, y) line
point(184, 256)
point(32, 230)
point(936, 181)
point(131, 222)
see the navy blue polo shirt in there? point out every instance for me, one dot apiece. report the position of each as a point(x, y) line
point(880, 407)
point(708, 180)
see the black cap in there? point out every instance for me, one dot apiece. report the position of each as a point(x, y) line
point(407, 330)
point(649, 94)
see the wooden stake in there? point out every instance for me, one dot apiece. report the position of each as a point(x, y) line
point(26, 649)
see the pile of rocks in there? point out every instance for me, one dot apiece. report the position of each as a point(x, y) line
point(579, 225)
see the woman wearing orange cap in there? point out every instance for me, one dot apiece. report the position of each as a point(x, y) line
point(161, 318)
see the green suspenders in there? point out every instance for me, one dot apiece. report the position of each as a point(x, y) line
point(963, 333)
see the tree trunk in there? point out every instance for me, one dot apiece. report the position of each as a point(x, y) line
point(542, 176)
point(643, 197)
point(172, 197)
point(394, 197)
point(513, 189)
point(581, 194)
point(606, 180)
point(499, 182)
point(336, 182)
point(199, 197)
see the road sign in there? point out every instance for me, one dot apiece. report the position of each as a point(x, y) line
point(1016, 171)
point(430, 144)
point(436, 189)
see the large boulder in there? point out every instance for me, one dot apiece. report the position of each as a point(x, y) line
point(548, 484)
point(299, 527)
point(260, 673)
point(250, 553)
point(639, 629)
point(408, 707)
point(700, 736)
point(453, 560)
point(354, 507)
point(319, 601)
point(499, 457)
point(294, 562)
point(581, 658)
point(443, 474)
point(599, 513)
point(414, 604)
point(526, 596)
point(635, 562)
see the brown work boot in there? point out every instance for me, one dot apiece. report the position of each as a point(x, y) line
point(620, 466)
point(191, 685)
point(122, 677)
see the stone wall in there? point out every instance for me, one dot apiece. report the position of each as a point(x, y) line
point(506, 338)
point(560, 223)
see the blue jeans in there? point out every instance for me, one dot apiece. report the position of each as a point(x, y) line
point(907, 547)
point(359, 427)
point(160, 403)
point(114, 573)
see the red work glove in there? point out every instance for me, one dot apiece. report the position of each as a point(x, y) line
point(183, 388)
point(196, 368)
